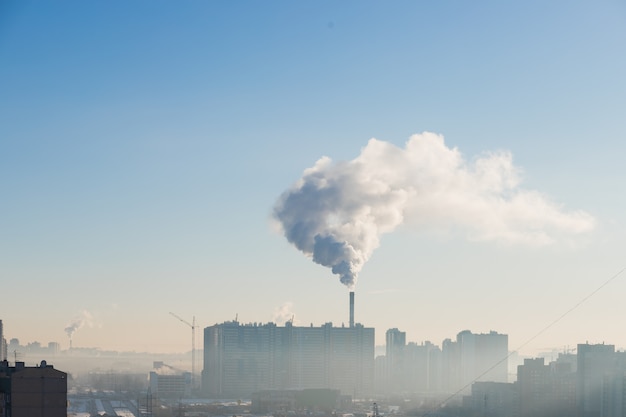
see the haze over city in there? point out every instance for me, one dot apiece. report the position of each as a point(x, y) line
point(458, 165)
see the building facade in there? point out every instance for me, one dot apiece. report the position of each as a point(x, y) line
point(32, 391)
point(595, 362)
point(474, 357)
point(423, 364)
point(396, 375)
point(546, 390)
point(170, 385)
point(492, 399)
point(242, 359)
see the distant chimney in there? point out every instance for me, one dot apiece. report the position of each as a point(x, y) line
point(351, 309)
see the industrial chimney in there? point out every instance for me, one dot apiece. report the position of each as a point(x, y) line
point(351, 309)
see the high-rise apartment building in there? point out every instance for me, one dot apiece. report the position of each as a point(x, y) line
point(423, 367)
point(410, 368)
point(451, 366)
point(595, 362)
point(614, 389)
point(242, 359)
point(546, 390)
point(475, 357)
point(3, 344)
point(396, 376)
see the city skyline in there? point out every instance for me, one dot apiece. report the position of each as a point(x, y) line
point(144, 150)
point(32, 351)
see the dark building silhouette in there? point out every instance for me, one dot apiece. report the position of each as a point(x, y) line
point(32, 391)
point(3, 344)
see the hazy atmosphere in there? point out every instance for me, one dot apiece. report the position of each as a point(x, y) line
point(459, 165)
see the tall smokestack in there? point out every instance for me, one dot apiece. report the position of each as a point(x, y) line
point(351, 309)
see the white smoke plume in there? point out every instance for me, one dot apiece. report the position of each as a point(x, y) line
point(337, 212)
point(284, 314)
point(84, 319)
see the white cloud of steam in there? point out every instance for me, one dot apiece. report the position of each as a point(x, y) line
point(284, 313)
point(337, 212)
point(84, 319)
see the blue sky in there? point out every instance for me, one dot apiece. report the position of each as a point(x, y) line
point(143, 146)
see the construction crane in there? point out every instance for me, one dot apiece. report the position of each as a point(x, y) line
point(193, 346)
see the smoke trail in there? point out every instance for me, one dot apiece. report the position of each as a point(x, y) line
point(337, 212)
point(284, 314)
point(85, 318)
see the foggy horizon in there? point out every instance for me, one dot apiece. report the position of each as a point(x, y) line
point(41, 346)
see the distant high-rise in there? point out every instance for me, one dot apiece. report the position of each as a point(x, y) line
point(396, 377)
point(614, 388)
point(475, 357)
point(410, 368)
point(546, 390)
point(242, 359)
point(423, 367)
point(451, 367)
point(3, 344)
point(395, 342)
point(594, 363)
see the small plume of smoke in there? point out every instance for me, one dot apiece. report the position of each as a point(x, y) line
point(284, 313)
point(337, 212)
point(84, 319)
point(164, 369)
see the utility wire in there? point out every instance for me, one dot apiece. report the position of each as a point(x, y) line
point(536, 335)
